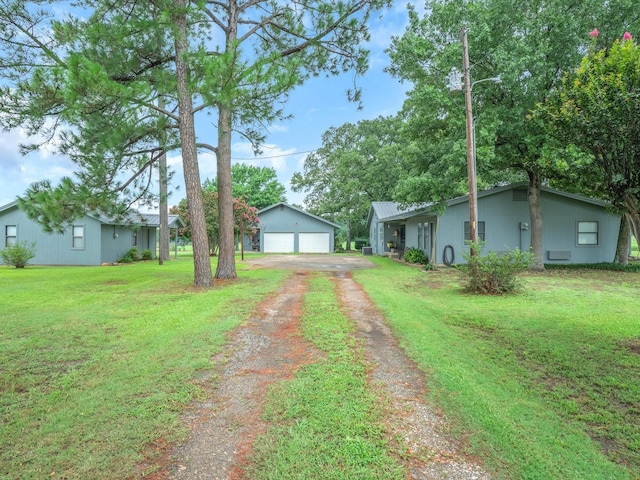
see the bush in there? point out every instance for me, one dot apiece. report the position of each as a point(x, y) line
point(134, 253)
point(492, 274)
point(19, 254)
point(147, 254)
point(415, 255)
point(359, 243)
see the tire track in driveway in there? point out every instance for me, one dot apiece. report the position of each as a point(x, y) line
point(267, 349)
point(419, 428)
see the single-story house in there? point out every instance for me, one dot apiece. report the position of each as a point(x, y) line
point(90, 240)
point(287, 229)
point(576, 229)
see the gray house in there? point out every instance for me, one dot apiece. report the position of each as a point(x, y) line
point(91, 240)
point(576, 229)
point(287, 229)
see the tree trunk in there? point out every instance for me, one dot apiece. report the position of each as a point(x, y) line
point(193, 188)
point(226, 257)
point(163, 253)
point(535, 212)
point(348, 234)
point(622, 248)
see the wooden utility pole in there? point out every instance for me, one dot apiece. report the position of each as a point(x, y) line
point(471, 157)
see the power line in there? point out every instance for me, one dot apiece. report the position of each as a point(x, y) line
point(275, 156)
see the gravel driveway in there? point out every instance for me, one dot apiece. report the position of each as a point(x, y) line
point(329, 263)
point(269, 348)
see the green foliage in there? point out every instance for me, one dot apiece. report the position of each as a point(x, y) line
point(595, 110)
point(356, 165)
point(614, 267)
point(359, 243)
point(19, 254)
point(415, 255)
point(493, 274)
point(258, 185)
point(147, 254)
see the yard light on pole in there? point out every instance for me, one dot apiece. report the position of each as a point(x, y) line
point(457, 81)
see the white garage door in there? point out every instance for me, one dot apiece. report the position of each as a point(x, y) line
point(278, 242)
point(314, 243)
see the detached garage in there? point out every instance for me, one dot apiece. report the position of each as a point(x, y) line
point(287, 229)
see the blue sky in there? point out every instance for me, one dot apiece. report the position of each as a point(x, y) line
point(316, 106)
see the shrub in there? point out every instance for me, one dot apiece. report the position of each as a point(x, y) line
point(147, 255)
point(126, 259)
point(415, 255)
point(359, 243)
point(134, 253)
point(493, 274)
point(19, 254)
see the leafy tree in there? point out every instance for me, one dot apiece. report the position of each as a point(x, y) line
point(265, 50)
point(212, 219)
point(357, 164)
point(259, 185)
point(596, 108)
point(528, 44)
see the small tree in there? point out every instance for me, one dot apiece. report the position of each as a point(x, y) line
point(19, 254)
point(493, 274)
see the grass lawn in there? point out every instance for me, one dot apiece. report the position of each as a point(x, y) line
point(544, 384)
point(96, 364)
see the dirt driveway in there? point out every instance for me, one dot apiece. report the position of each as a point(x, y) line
point(269, 348)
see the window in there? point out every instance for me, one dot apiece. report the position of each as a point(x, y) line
point(77, 237)
point(134, 238)
point(587, 233)
point(419, 235)
point(479, 231)
point(10, 235)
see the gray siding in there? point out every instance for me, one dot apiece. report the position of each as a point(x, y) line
point(100, 243)
point(504, 211)
point(503, 217)
point(284, 219)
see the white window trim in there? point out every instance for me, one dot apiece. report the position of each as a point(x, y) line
point(73, 237)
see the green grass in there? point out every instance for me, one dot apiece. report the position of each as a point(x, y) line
point(97, 363)
point(543, 385)
point(326, 422)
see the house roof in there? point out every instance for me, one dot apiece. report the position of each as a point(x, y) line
point(386, 210)
point(428, 209)
point(131, 217)
point(275, 205)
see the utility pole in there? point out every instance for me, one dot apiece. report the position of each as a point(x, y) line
point(471, 160)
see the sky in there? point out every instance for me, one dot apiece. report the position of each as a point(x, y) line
point(316, 106)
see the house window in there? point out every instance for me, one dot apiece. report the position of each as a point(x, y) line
point(587, 233)
point(134, 238)
point(479, 231)
point(77, 237)
point(419, 235)
point(10, 235)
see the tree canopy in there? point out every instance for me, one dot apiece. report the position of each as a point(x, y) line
point(357, 164)
point(258, 185)
point(102, 69)
point(596, 108)
point(528, 44)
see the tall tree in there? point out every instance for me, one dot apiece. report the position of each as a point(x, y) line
point(528, 44)
point(596, 108)
point(266, 49)
point(258, 185)
point(357, 164)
